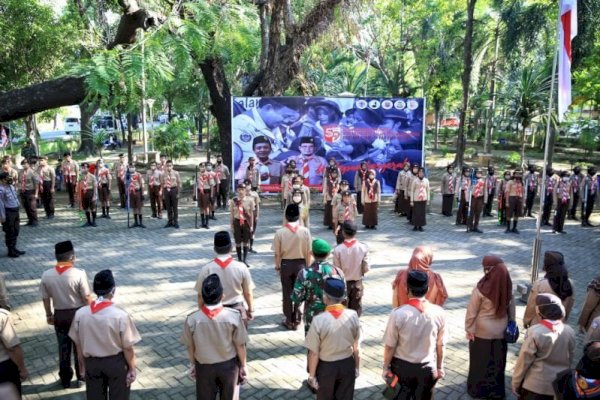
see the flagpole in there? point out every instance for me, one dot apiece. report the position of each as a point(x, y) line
point(537, 243)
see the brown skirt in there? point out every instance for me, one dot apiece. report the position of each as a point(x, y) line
point(418, 213)
point(328, 214)
point(370, 214)
point(447, 203)
point(135, 199)
point(204, 200)
point(404, 204)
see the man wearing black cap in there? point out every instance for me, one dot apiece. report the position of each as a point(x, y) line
point(563, 192)
point(292, 247)
point(65, 289)
point(235, 277)
point(223, 176)
point(311, 166)
point(241, 219)
point(333, 345)
point(414, 341)
point(216, 338)
point(87, 193)
point(352, 257)
point(9, 214)
point(269, 170)
point(588, 189)
point(71, 176)
point(105, 335)
point(119, 170)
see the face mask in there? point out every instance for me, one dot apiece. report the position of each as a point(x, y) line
point(219, 161)
point(297, 199)
point(332, 164)
point(296, 186)
point(132, 170)
point(344, 188)
point(208, 168)
point(371, 177)
point(565, 179)
point(153, 167)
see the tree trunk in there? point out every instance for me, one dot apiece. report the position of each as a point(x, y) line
point(551, 143)
point(129, 137)
point(32, 130)
point(87, 136)
point(523, 147)
point(437, 107)
point(466, 80)
point(489, 129)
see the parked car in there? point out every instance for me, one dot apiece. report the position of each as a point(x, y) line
point(72, 125)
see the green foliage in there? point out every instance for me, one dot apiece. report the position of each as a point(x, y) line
point(513, 158)
point(57, 147)
point(587, 139)
point(173, 139)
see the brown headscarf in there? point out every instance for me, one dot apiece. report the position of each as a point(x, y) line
point(496, 284)
point(421, 260)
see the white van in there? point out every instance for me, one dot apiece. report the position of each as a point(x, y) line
point(72, 125)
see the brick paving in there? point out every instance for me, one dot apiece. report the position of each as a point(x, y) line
point(155, 269)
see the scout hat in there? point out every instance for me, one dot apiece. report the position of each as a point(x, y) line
point(222, 239)
point(63, 247)
point(549, 306)
point(292, 212)
point(212, 290)
point(335, 287)
point(260, 139)
point(349, 227)
point(417, 280)
point(320, 248)
point(307, 139)
point(104, 282)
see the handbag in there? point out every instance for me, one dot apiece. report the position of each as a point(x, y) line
point(511, 333)
point(392, 386)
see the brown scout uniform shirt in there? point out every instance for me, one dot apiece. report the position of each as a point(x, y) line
point(88, 182)
point(214, 340)
point(28, 180)
point(352, 258)
point(293, 246)
point(376, 192)
point(47, 174)
point(593, 333)
point(105, 333)
point(8, 336)
point(590, 309)
point(530, 317)
point(170, 180)
point(153, 177)
point(248, 206)
point(332, 338)
point(120, 169)
point(446, 179)
point(235, 277)
point(420, 190)
point(67, 290)
point(481, 318)
point(103, 176)
point(339, 212)
point(70, 171)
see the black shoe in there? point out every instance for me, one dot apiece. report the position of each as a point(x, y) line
point(108, 216)
point(415, 229)
point(374, 227)
point(153, 215)
point(212, 217)
point(86, 224)
point(93, 224)
point(141, 225)
point(477, 230)
point(19, 252)
point(66, 385)
point(34, 224)
point(206, 226)
point(251, 250)
point(12, 254)
point(176, 225)
point(168, 225)
point(563, 232)
point(515, 230)
point(420, 229)
point(507, 230)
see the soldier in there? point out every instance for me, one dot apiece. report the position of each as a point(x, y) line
point(65, 289)
point(415, 341)
point(491, 182)
point(359, 179)
point(479, 194)
point(256, 198)
point(331, 182)
point(588, 189)
point(9, 214)
point(333, 345)
point(514, 200)
point(47, 187)
point(576, 179)
point(502, 198)
point(12, 362)
point(105, 335)
point(409, 179)
point(136, 195)
point(104, 184)
point(71, 176)
point(420, 196)
point(352, 257)
point(170, 184)
point(29, 186)
point(447, 191)
point(463, 186)
point(119, 170)
point(308, 288)
point(371, 196)
point(241, 213)
point(236, 279)
point(300, 196)
point(154, 190)
point(345, 211)
point(563, 193)
point(207, 187)
point(531, 183)
point(251, 173)
point(87, 193)
point(550, 184)
point(286, 183)
point(224, 179)
point(216, 338)
point(291, 245)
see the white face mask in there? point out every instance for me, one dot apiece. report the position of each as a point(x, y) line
point(132, 170)
point(208, 168)
point(565, 179)
point(297, 199)
point(296, 186)
point(371, 177)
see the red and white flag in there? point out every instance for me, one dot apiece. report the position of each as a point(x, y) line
point(567, 31)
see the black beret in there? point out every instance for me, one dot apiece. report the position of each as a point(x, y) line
point(104, 282)
point(307, 139)
point(417, 280)
point(212, 290)
point(63, 247)
point(121, 155)
point(222, 239)
point(349, 227)
point(292, 211)
point(260, 139)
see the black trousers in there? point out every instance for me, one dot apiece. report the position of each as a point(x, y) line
point(529, 201)
point(71, 190)
point(288, 274)
point(222, 378)
point(447, 203)
point(548, 201)
point(355, 294)
point(336, 379)
point(11, 227)
point(48, 198)
point(359, 205)
point(588, 207)
point(122, 193)
point(222, 193)
point(487, 209)
point(559, 217)
point(62, 324)
point(171, 202)
point(9, 372)
point(106, 375)
point(574, 205)
point(463, 209)
point(416, 379)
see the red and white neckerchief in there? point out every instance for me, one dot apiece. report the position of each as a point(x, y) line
point(41, 180)
point(250, 174)
point(135, 178)
point(201, 180)
point(347, 213)
point(168, 181)
point(212, 312)
point(478, 190)
point(240, 207)
point(551, 325)
point(594, 186)
point(532, 182)
point(372, 190)
point(23, 181)
point(519, 189)
point(219, 174)
point(289, 184)
point(491, 183)
point(151, 179)
point(102, 174)
point(292, 228)
point(122, 172)
point(363, 177)
point(349, 243)
point(332, 187)
point(451, 184)
point(84, 184)
point(416, 303)
point(68, 173)
point(336, 310)
point(549, 185)
point(99, 304)
point(575, 183)
point(62, 267)
point(305, 166)
point(564, 192)
point(422, 196)
point(223, 263)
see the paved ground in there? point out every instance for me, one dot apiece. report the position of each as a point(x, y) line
point(156, 268)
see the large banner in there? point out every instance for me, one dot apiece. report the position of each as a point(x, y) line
point(384, 132)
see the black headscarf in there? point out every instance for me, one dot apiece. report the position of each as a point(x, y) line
point(557, 275)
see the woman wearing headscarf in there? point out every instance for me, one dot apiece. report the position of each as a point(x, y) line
point(371, 196)
point(583, 382)
point(489, 310)
point(589, 320)
point(421, 260)
point(548, 349)
point(556, 281)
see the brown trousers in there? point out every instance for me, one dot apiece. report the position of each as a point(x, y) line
point(30, 205)
point(86, 201)
point(104, 194)
point(355, 294)
point(155, 200)
point(104, 374)
point(288, 274)
point(515, 208)
point(222, 378)
point(48, 197)
point(476, 207)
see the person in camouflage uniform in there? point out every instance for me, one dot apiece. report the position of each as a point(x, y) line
point(310, 282)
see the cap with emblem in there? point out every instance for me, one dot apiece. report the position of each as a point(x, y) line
point(417, 280)
point(104, 282)
point(307, 139)
point(344, 182)
point(260, 139)
point(335, 287)
point(320, 248)
point(63, 247)
point(212, 290)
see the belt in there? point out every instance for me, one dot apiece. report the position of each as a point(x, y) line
point(234, 305)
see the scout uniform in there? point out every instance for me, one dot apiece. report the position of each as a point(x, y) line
point(28, 186)
point(550, 185)
point(120, 169)
point(214, 336)
point(502, 198)
point(334, 338)
point(352, 257)
point(541, 286)
point(463, 185)
point(250, 173)
point(409, 179)
point(213, 197)
point(170, 184)
point(154, 191)
point(255, 196)
point(531, 183)
point(308, 288)
point(563, 192)
point(271, 168)
point(419, 198)
point(223, 177)
point(241, 213)
point(87, 192)
point(400, 203)
point(370, 196)
point(71, 176)
point(286, 186)
point(359, 179)
point(310, 166)
point(65, 289)
point(344, 211)
point(105, 335)
point(576, 179)
point(300, 195)
point(491, 182)
point(104, 177)
point(47, 181)
point(514, 201)
point(588, 189)
point(10, 371)
point(447, 192)
point(9, 215)
point(135, 191)
point(292, 247)
point(337, 199)
point(479, 194)
point(331, 182)
point(207, 186)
